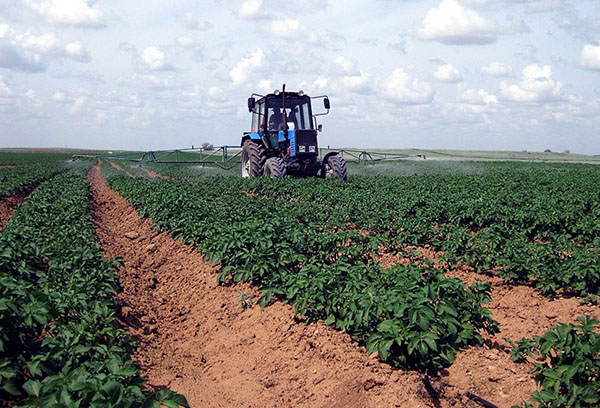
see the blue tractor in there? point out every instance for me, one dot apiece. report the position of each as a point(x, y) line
point(283, 139)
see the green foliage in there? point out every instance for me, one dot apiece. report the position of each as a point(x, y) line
point(59, 345)
point(569, 372)
point(17, 179)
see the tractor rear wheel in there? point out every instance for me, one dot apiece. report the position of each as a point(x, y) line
point(275, 167)
point(253, 159)
point(335, 167)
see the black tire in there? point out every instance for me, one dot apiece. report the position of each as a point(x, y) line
point(275, 167)
point(253, 159)
point(335, 167)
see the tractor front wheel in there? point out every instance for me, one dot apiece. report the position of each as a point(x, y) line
point(275, 167)
point(335, 167)
point(253, 159)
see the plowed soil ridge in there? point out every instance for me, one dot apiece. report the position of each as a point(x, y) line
point(8, 205)
point(196, 338)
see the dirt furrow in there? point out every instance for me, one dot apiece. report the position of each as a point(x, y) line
point(196, 338)
point(8, 205)
point(116, 166)
point(150, 173)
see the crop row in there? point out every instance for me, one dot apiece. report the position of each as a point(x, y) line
point(18, 179)
point(59, 345)
point(412, 315)
point(525, 222)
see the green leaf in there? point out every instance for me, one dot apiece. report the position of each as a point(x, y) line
point(33, 387)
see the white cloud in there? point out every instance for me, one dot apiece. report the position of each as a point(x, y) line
point(42, 44)
point(357, 83)
point(33, 99)
point(75, 50)
point(59, 97)
point(190, 21)
point(264, 85)
point(447, 73)
point(154, 58)
point(590, 57)
point(77, 104)
point(344, 66)
point(101, 117)
point(401, 89)
point(250, 9)
point(451, 23)
point(80, 13)
point(287, 28)
point(239, 74)
point(5, 91)
point(17, 59)
point(479, 97)
point(189, 41)
point(33, 53)
point(497, 69)
point(536, 85)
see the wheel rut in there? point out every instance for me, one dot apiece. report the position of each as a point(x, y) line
point(196, 338)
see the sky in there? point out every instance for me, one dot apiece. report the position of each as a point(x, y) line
point(452, 74)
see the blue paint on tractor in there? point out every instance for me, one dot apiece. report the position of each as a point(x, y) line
point(292, 137)
point(254, 136)
point(281, 136)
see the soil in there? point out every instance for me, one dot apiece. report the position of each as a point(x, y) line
point(198, 339)
point(8, 166)
point(116, 166)
point(9, 204)
point(150, 173)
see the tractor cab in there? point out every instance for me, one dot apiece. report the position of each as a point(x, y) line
point(283, 136)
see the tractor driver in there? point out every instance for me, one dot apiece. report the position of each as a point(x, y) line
point(275, 120)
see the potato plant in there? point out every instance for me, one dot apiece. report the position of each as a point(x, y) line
point(567, 367)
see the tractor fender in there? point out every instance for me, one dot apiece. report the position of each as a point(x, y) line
point(328, 155)
point(250, 136)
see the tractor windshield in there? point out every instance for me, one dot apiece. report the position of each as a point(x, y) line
point(297, 113)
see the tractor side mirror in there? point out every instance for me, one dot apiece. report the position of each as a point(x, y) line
point(251, 104)
point(326, 103)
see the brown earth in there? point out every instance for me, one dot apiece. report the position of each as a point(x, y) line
point(150, 172)
point(9, 166)
point(8, 205)
point(116, 166)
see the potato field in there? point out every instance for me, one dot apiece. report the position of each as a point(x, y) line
point(413, 284)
